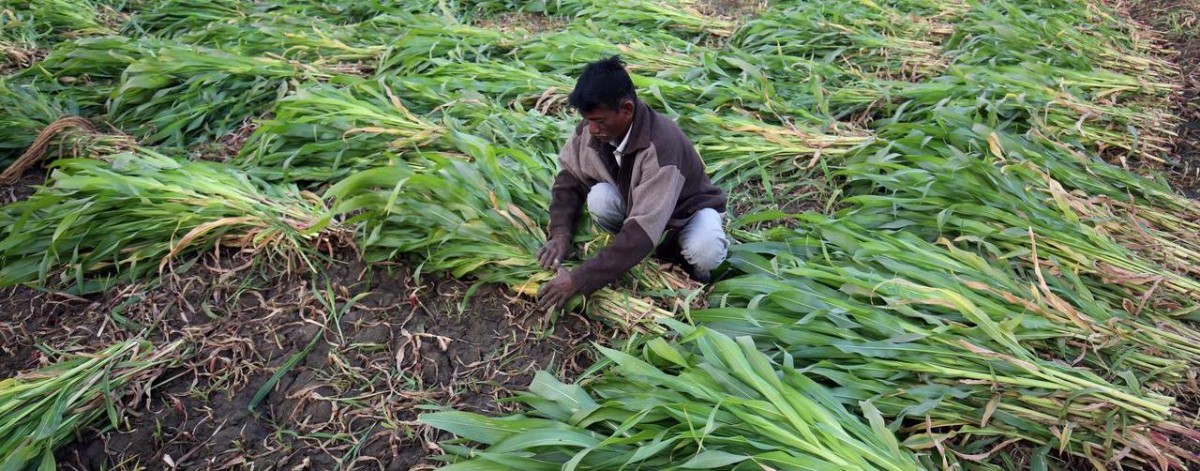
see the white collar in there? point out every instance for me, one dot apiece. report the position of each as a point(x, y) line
point(621, 147)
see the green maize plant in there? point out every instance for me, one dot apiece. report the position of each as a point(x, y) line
point(752, 91)
point(415, 41)
point(707, 401)
point(1054, 102)
point(463, 216)
point(1076, 167)
point(514, 127)
point(949, 180)
point(45, 408)
point(644, 53)
point(126, 216)
point(347, 12)
point(87, 70)
point(477, 9)
point(102, 58)
point(1076, 313)
point(737, 148)
point(19, 38)
point(310, 40)
point(180, 95)
point(481, 216)
point(875, 41)
point(679, 17)
point(943, 260)
point(937, 376)
point(485, 81)
point(27, 111)
point(61, 17)
point(169, 18)
point(1005, 33)
point(325, 131)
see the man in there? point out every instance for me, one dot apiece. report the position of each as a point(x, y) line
point(641, 179)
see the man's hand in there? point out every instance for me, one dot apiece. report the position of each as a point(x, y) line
point(551, 255)
point(557, 291)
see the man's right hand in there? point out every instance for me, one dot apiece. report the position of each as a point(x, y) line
point(551, 255)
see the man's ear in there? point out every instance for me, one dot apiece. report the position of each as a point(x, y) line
point(627, 107)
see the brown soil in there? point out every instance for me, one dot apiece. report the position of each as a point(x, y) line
point(513, 21)
point(350, 401)
point(14, 59)
point(802, 195)
point(23, 187)
point(732, 9)
point(1177, 22)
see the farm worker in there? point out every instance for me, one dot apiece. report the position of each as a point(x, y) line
point(641, 180)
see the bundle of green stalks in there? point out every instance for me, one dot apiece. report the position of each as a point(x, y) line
point(738, 148)
point(479, 216)
point(183, 95)
point(463, 215)
point(752, 91)
point(20, 40)
point(325, 131)
point(26, 112)
point(1054, 101)
point(416, 40)
point(62, 18)
point(819, 93)
point(347, 12)
point(43, 409)
point(1082, 326)
point(537, 130)
point(101, 58)
point(679, 17)
point(492, 80)
point(1001, 203)
point(69, 136)
point(957, 364)
point(86, 71)
point(309, 40)
point(168, 18)
point(129, 215)
point(874, 41)
point(1006, 33)
point(954, 130)
point(1142, 215)
point(707, 401)
point(644, 53)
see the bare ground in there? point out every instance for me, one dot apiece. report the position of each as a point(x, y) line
point(350, 400)
point(1177, 22)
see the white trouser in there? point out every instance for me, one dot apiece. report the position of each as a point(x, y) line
point(702, 242)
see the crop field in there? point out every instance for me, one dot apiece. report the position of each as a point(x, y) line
point(301, 234)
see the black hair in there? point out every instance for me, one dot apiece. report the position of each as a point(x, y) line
point(603, 84)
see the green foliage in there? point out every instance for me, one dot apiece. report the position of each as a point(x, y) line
point(45, 408)
point(984, 284)
point(133, 214)
point(706, 402)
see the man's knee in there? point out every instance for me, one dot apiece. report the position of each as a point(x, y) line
point(605, 206)
point(703, 241)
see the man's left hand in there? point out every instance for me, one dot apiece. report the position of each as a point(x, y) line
point(557, 291)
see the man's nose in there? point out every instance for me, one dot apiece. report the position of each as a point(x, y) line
point(593, 128)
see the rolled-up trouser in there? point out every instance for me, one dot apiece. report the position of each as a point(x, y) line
point(702, 242)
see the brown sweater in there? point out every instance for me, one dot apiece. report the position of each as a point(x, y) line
point(661, 180)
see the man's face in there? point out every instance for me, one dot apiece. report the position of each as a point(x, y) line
point(607, 124)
